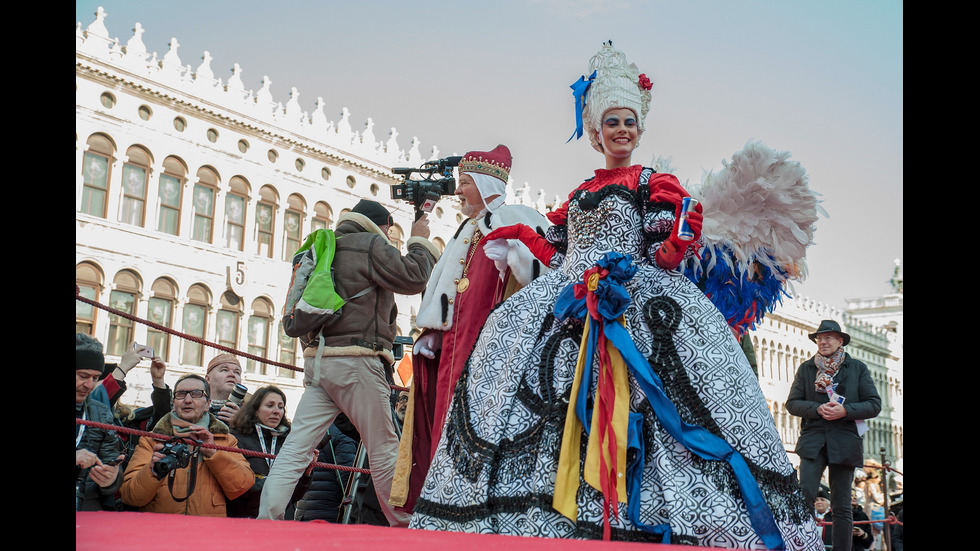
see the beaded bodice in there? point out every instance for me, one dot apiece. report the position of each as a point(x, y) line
point(605, 215)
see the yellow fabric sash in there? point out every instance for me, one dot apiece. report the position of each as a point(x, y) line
point(598, 447)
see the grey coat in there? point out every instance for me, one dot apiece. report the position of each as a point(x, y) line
point(844, 446)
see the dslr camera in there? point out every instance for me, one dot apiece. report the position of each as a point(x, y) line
point(176, 455)
point(434, 179)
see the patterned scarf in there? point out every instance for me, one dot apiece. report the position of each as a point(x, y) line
point(827, 367)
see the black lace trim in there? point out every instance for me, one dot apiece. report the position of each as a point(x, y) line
point(519, 504)
point(589, 200)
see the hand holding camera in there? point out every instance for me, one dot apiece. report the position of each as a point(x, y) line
point(225, 410)
point(176, 453)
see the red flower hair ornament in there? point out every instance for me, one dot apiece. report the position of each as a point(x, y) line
point(644, 82)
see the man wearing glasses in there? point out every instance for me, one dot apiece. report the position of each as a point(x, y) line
point(158, 481)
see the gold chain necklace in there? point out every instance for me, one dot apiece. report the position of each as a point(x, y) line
point(463, 283)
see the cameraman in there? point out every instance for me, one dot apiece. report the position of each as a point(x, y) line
point(152, 487)
point(344, 366)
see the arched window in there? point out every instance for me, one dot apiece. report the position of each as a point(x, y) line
point(135, 174)
point(195, 324)
point(396, 236)
point(171, 191)
point(89, 280)
point(96, 163)
point(265, 220)
point(160, 310)
point(123, 297)
point(438, 242)
point(292, 223)
point(258, 335)
point(322, 217)
point(205, 192)
point(228, 318)
point(235, 204)
point(287, 353)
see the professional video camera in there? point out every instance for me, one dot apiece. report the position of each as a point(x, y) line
point(176, 455)
point(436, 180)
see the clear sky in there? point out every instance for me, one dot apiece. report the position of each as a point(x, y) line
point(822, 80)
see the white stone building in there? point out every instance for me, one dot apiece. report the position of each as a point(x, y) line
point(191, 195)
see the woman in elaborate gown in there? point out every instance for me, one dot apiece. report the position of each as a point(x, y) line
point(609, 397)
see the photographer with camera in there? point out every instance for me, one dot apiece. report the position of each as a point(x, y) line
point(224, 374)
point(97, 451)
point(180, 476)
point(469, 281)
point(345, 365)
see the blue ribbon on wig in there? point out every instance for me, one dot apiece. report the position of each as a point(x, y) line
point(612, 302)
point(579, 88)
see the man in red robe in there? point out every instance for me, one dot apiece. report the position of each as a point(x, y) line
point(466, 284)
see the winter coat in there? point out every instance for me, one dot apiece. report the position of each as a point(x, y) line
point(104, 443)
point(247, 504)
point(844, 445)
point(224, 475)
point(326, 491)
point(365, 258)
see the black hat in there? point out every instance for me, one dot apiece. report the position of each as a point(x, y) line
point(374, 211)
point(830, 326)
point(88, 353)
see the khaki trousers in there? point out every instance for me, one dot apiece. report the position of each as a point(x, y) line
point(355, 385)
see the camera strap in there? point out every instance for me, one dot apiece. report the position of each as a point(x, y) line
point(191, 477)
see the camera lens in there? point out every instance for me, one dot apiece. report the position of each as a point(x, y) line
point(238, 394)
point(164, 466)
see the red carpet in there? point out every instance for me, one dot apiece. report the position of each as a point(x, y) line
point(108, 531)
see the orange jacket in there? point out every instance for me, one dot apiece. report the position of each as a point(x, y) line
point(223, 475)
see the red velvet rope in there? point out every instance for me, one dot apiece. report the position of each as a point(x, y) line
point(248, 453)
point(890, 520)
point(192, 338)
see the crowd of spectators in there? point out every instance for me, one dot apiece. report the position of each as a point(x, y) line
point(175, 470)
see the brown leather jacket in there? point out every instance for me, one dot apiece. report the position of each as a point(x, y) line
point(366, 259)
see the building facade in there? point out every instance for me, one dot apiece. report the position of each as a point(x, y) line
point(191, 196)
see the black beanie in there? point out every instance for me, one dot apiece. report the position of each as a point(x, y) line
point(374, 212)
point(88, 353)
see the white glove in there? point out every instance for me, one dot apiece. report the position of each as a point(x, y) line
point(426, 345)
point(496, 250)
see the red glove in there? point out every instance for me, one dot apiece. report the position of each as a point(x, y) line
point(671, 251)
point(541, 248)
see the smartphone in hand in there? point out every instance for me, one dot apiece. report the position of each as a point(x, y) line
point(144, 351)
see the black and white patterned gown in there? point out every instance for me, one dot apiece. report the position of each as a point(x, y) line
point(495, 467)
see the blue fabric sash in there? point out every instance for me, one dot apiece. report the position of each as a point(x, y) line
point(612, 302)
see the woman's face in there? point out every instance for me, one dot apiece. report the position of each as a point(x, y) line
point(619, 133)
point(272, 410)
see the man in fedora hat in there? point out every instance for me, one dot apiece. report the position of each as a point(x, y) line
point(833, 393)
